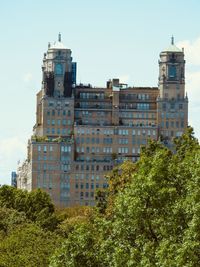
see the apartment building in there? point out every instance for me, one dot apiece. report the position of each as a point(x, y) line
point(82, 132)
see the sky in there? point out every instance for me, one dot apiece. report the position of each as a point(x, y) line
point(108, 38)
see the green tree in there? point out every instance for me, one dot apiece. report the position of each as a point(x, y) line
point(36, 204)
point(155, 213)
point(27, 245)
point(79, 249)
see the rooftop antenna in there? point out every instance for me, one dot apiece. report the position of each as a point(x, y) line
point(59, 37)
point(172, 40)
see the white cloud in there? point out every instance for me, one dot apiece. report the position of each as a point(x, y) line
point(124, 78)
point(11, 150)
point(192, 50)
point(193, 85)
point(28, 77)
point(192, 56)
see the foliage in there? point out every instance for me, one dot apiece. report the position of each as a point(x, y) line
point(79, 249)
point(70, 218)
point(36, 205)
point(43, 139)
point(9, 219)
point(27, 245)
point(154, 218)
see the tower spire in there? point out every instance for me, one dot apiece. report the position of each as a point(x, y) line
point(59, 37)
point(172, 40)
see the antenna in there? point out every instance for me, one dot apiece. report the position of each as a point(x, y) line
point(172, 40)
point(59, 37)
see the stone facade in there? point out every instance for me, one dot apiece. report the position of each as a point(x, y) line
point(82, 132)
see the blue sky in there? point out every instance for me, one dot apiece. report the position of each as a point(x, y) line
point(108, 39)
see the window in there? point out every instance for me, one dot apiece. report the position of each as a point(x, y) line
point(39, 148)
point(65, 148)
point(143, 106)
point(123, 150)
point(64, 122)
point(107, 150)
point(123, 141)
point(64, 131)
point(164, 106)
point(172, 105)
point(172, 71)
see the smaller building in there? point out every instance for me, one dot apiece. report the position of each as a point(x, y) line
point(14, 179)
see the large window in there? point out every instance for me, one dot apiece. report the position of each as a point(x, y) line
point(172, 71)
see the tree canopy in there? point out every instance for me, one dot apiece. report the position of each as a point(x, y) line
point(151, 216)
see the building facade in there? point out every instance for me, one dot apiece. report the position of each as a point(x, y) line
point(82, 132)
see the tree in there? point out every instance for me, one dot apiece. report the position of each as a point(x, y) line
point(36, 204)
point(79, 249)
point(27, 245)
point(155, 213)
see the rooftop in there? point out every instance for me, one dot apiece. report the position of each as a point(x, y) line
point(172, 47)
point(58, 44)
